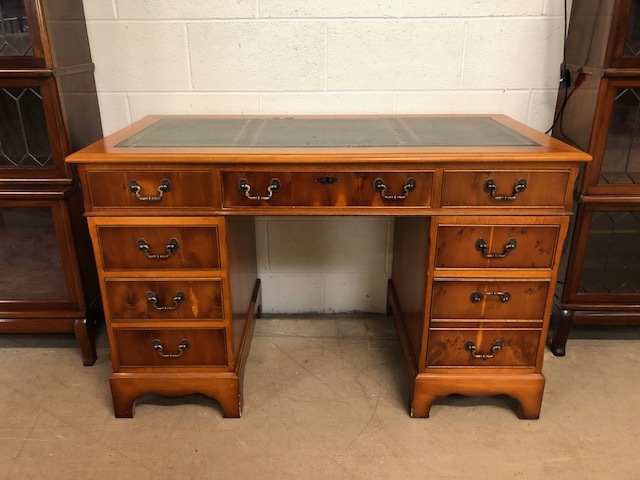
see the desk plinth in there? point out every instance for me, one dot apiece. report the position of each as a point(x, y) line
point(482, 206)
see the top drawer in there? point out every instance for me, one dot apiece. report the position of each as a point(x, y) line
point(506, 188)
point(327, 189)
point(158, 243)
point(496, 246)
point(149, 189)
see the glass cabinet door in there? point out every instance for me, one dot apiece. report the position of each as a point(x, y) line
point(31, 264)
point(24, 142)
point(621, 156)
point(611, 262)
point(20, 44)
point(30, 146)
point(615, 141)
point(631, 48)
point(623, 49)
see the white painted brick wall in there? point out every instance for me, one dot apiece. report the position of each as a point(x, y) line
point(278, 57)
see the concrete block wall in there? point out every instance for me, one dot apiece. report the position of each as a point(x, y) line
point(285, 57)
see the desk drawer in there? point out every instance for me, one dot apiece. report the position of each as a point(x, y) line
point(164, 247)
point(496, 246)
point(483, 348)
point(148, 189)
point(165, 299)
point(168, 347)
point(505, 188)
point(323, 189)
point(489, 300)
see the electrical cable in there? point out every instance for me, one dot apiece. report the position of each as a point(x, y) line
point(565, 75)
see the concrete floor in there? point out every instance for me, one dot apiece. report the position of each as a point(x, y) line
point(325, 398)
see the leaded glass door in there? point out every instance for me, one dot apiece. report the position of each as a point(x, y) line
point(30, 145)
point(20, 35)
point(610, 269)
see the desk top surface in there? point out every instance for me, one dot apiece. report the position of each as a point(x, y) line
point(326, 133)
point(251, 136)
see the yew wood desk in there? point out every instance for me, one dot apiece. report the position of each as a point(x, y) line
point(482, 206)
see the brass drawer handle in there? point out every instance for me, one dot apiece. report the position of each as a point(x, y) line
point(495, 348)
point(379, 186)
point(477, 296)
point(171, 247)
point(491, 187)
point(157, 346)
point(482, 247)
point(177, 298)
point(165, 186)
point(274, 186)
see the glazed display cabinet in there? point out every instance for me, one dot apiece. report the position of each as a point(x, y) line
point(48, 109)
point(601, 115)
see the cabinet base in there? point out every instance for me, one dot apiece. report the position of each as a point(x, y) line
point(222, 387)
point(597, 315)
point(527, 389)
point(83, 328)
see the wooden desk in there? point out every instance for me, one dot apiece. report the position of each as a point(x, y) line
point(482, 206)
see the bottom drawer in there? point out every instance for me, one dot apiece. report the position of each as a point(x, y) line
point(165, 347)
point(496, 348)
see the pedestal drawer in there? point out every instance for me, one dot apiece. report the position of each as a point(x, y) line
point(505, 188)
point(482, 348)
point(168, 347)
point(326, 189)
point(496, 246)
point(164, 299)
point(148, 189)
point(162, 247)
point(488, 299)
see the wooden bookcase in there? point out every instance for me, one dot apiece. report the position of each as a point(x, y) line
point(48, 109)
point(601, 115)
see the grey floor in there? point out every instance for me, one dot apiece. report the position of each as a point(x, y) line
point(325, 398)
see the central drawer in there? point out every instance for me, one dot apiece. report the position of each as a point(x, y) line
point(336, 188)
point(164, 299)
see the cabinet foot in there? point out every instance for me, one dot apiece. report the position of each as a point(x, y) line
point(559, 340)
point(83, 329)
